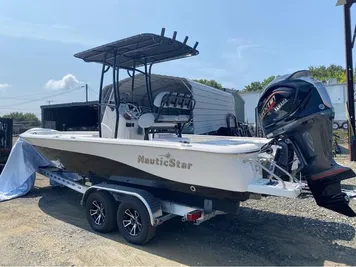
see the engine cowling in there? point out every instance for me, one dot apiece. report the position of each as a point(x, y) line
point(296, 110)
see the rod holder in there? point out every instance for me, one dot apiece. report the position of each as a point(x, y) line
point(196, 45)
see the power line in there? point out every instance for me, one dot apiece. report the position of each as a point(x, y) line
point(91, 89)
point(19, 108)
point(42, 98)
point(14, 97)
point(20, 97)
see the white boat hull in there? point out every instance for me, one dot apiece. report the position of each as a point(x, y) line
point(208, 161)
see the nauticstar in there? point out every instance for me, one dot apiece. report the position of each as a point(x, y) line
point(170, 162)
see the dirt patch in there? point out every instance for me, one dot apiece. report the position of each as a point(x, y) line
point(48, 227)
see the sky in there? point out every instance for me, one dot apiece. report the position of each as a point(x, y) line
point(240, 41)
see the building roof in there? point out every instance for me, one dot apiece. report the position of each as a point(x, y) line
point(72, 104)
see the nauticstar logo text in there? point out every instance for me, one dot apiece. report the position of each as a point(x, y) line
point(165, 161)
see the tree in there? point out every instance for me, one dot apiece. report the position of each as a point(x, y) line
point(253, 87)
point(27, 118)
point(211, 83)
point(323, 73)
point(267, 81)
point(258, 86)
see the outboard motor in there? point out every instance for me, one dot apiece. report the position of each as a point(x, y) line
point(296, 112)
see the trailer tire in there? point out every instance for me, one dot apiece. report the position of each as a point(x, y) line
point(336, 125)
point(132, 213)
point(104, 203)
point(345, 125)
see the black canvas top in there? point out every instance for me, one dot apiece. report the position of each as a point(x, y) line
point(148, 47)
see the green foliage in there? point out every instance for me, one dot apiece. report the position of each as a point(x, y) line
point(258, 86)
point(253, 87)
point(27, 118)
point(211, 83)
point(267, 81)
point(321, 73)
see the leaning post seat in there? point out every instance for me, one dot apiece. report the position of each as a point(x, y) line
point(167, 103)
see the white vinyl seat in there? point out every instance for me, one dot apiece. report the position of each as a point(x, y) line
point(148, 120)
point(172, 100)
point(168, 101)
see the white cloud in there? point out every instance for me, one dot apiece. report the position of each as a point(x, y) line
point(68, 81)
point(3, 86)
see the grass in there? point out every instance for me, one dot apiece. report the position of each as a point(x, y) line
point(343, 136)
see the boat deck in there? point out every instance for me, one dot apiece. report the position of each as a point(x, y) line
point(204, 143)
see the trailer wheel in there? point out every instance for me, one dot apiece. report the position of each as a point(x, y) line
point(345, 125)
point(100, 211)
point(134, 222)
point(336, 125)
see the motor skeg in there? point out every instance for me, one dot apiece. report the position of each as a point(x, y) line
point(296, 111)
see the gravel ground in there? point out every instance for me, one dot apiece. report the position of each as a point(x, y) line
point(48, 227)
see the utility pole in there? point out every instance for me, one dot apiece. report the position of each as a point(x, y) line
point(86, 91)
point(49, 102)
point(349, 74)
point(350, 83)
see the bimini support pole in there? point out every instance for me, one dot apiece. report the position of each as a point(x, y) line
point(150, 81)
point(103, 71)
point(115, 77)
point(149, 93)
point(133, 81)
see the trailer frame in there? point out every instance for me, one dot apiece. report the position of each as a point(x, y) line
point(158, 210)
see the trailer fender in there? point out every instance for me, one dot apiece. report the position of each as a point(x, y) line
point(152, 204)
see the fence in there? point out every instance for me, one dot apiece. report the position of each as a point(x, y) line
point(22, 126)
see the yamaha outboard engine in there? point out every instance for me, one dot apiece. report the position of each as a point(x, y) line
point(296, 112)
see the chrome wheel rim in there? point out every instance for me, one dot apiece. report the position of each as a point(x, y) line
point(132, 222)
point(97, 212)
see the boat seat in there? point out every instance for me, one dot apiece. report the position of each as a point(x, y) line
point(174, 100)
point(169, 102)
point(149, 120)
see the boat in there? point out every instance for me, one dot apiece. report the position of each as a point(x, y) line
point(140, 141)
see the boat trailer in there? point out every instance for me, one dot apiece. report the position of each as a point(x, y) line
point(139, 211)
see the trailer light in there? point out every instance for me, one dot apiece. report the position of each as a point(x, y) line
point(194, 215)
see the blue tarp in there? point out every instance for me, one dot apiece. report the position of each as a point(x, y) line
point(19, 173)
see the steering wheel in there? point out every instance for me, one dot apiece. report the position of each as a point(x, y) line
point(132, 110)
point(126, 98)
